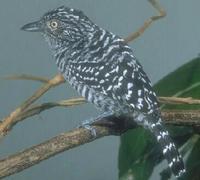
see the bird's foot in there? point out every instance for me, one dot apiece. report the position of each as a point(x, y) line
point(87, 124)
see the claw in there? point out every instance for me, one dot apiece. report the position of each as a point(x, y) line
point(86, 125)
point(91, 129)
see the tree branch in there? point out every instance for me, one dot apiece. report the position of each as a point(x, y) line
point(9, 120)
point(182, 117)
point(148, 22)
point(65, 141)
point(27, 77)
point(36, 154)
point(178, 100)
point(25, 110)
point(34, 110)
point(7, 124)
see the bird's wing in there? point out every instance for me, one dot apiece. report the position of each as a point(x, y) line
point(121, 77)
point(133, 87)
point(118, 76)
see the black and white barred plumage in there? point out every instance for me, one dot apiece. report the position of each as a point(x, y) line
point(104, 70)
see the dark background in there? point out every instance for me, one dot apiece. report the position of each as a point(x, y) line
point(166, 45)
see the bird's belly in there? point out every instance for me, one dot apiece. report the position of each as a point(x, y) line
point(100, 100)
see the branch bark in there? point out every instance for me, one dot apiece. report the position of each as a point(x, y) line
point(29, 157)
point(65, 141)
point(178, 100)
point(27, 77)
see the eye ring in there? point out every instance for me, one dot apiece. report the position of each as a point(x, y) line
point(54, 24)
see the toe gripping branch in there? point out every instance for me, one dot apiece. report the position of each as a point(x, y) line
point(116, 124)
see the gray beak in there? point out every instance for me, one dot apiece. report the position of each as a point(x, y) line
point(32, 27)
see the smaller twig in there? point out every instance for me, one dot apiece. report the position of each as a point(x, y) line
point(158, 7)
point(26, 77)
point(57, 80)
point(178, 100)
point(34, 110)
point(9, 120)
point(148, 22)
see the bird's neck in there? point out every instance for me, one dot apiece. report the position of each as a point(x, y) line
point(66, 53)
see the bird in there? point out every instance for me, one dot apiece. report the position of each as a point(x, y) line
point(103, 69)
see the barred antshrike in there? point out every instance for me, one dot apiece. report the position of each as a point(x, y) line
point(104, 70)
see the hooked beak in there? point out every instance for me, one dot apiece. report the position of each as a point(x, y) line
point(32, 27)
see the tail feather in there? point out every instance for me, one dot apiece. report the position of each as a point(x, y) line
point(168, 147)
point(154, 123)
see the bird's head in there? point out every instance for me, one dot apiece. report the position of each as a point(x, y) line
point(62, 25)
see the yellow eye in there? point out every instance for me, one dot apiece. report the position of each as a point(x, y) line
point(53, 24)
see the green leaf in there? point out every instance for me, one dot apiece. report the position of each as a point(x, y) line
point(193, 161)
point(131, 156)
point(139, 152)
point(184, 82)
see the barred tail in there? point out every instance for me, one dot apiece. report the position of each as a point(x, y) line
point(169, 149)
